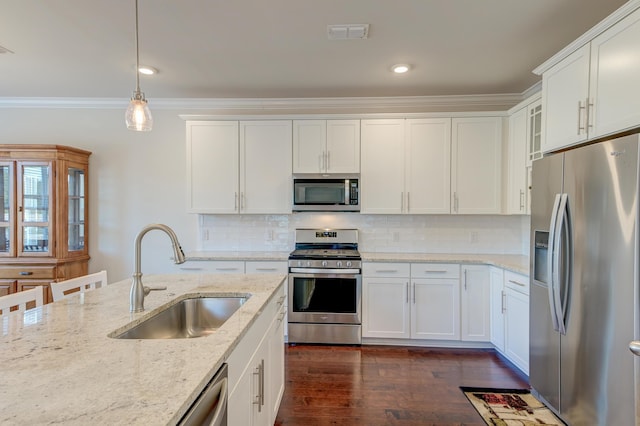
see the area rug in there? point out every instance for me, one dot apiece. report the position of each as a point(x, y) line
point(506, 407)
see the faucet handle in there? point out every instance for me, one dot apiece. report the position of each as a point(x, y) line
point(148, 290)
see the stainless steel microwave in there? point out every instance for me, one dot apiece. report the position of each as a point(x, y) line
point(316, 192)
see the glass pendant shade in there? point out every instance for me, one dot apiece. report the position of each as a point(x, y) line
point(138, 116)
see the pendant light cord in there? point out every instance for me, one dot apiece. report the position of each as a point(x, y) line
point(137, 56)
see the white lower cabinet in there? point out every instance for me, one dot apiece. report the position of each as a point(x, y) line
point(496, 307)
point(256, 369)
point(516, 324)
point(435, 301)
point(385, 300)
point(475, 303)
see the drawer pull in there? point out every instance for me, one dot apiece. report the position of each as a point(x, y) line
point(266, 269)
point(387, 271)
point(517, 283)
point(227, 269)
point(24, 273)
point(427, 271)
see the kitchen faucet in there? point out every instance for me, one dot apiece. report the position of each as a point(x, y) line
point(138, 291)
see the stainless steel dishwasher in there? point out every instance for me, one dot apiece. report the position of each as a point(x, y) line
point(210, 408)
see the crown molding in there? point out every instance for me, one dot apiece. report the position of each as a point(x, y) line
point(468, 102)
point(622, 12)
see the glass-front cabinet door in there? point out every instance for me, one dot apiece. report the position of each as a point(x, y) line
point(34, 208)
point(6, 216)
point(76, 221)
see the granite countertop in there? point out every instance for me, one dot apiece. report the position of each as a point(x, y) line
point(512, 262)
point(60, 367)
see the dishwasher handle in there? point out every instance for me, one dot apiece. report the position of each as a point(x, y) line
point(210, 408)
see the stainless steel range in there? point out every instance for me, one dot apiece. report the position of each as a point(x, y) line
point(325, 287)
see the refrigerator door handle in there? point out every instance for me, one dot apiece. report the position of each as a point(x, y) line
point(634, 347)
point(559, 287)
point(552, 256)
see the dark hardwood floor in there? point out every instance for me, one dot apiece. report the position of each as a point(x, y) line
point(388, 385)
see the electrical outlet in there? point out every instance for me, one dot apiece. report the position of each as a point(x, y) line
point(473, 237)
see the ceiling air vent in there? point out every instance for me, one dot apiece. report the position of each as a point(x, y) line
point(348, 31)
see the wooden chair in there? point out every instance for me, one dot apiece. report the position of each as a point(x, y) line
point(20, 300)
point(62, 289)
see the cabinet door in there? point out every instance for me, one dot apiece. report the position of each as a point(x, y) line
point(309, 146)
point(7, 217)
point(385, 307)
point(212, 167)
point(343, 146)
point(516, 179)
point(211, 267)
point(496, 307)
point(73, 237)
point(265, 167)
point(534, 132)
point(29, 284)
point(35, 208)
point(382, 176)
point(428, 166)
point(517, 328)
point(7, 287)
point(435, 309)
point(475, 303)
point(615, 81)
point(275, 369)
point(565, 89)
point(267, 267)
point(476, 178)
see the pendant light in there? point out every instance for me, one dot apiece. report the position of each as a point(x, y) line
point(138, 117)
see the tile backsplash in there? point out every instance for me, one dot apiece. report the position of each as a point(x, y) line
point(378, 233)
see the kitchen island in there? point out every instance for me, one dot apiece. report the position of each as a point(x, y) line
point(59, 365)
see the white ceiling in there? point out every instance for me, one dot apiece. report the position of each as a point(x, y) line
point(280, 49)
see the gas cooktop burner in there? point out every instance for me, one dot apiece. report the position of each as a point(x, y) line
point(326, 249)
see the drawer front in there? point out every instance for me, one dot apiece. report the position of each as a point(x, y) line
point(435, 270)
point(212, 267)
point(381, 269)
point(517, 282)
point(28, 272)
point(266, 267)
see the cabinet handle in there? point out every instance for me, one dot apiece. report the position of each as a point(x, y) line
point(401, 202)
point(235, 201)
point(465, 280)
point(23, 273)
point(414, 293)
point(321, 162)
point(455, 202)
point(388, 271)
point(427, 271)
point(406, 287)
point(521, 200)
point(589, 113)
point(266, 269)
point(408, 202)
point(280, 301)
point(259, 401)
point(504, 305)
point(581, 107)
point(190, 268)
point(227, 269)
point(328, 160)
point(517, 283)
point(242, 201)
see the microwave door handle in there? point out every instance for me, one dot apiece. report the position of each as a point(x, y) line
point(347, 192)
point(551, 261)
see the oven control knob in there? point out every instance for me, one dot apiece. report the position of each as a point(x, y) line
point(324, 263)
point(349, 264)
point(339, 264)
point(299, 262)
point(308, 263)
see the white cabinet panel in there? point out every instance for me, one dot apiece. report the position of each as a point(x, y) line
point(382, 166)
point(211, 267)
point(265, 166)
point(385, 307)
point(517, 319)
point(476, 158)
point(435, 309)
point(343, 146)
point(266, 267)
point(309, 146)
point(615, 77)
point(496, 307)
point(475, 303)
point(428, 166)
point(517, 178)
point(212, 166)
point(326, 146)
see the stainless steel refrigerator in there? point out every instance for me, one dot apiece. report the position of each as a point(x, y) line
point(584, 282)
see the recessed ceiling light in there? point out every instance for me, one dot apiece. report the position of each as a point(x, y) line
point(143, 69)
point(400, 68)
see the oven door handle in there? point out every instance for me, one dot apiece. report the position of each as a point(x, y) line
point(324, 271)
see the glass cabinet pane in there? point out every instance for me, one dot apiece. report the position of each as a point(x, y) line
point(35, 194)
point(35, 239)
point(535, 133)
point(5, 201)
point(76, 209)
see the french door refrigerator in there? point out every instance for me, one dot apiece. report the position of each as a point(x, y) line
point(584, 314)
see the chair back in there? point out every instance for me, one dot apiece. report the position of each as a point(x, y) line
point(81, 284)
point(20, 299)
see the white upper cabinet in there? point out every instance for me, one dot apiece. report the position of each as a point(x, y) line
point(239, 167)
point(476, 164)
point(593, 92)
point(406, 166)
point(326, 146)
point(615, 77)
point(265, 167)
point(382, 166)
point(428, 165)
point(517, 177)
point(212, 166)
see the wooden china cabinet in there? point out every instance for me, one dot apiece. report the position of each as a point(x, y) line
point(43, 221)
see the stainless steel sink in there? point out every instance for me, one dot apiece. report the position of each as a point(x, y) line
point(192, 317)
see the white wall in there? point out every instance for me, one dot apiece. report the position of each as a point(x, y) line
point(139, 178)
